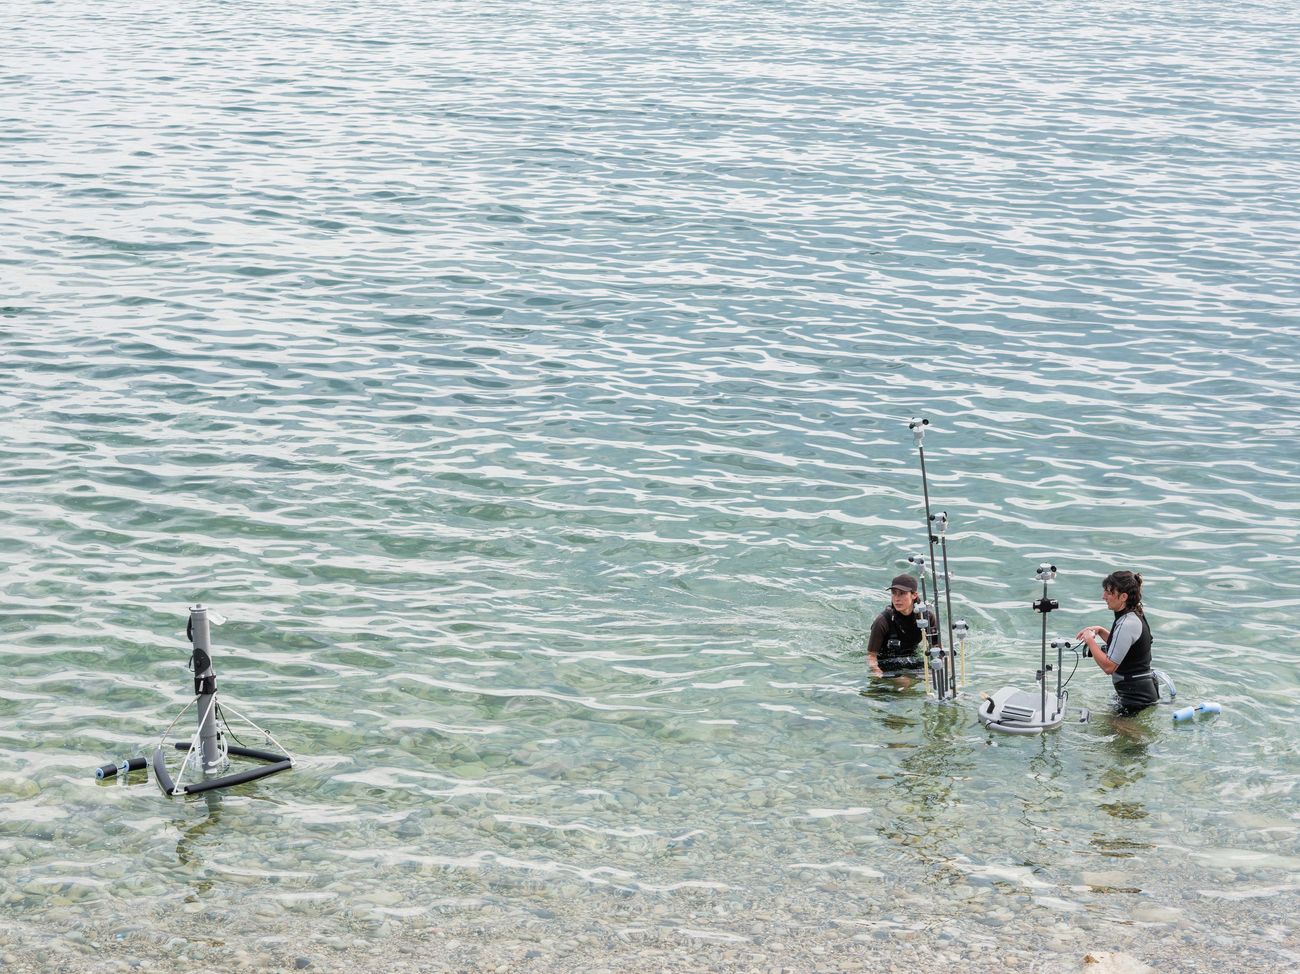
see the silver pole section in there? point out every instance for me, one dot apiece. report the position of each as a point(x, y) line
point(1046, 573)
point(929, 533)
point(1060, 665)
point(917, 426)
point(205, 678)
point(1042, 671)
point(940, 521)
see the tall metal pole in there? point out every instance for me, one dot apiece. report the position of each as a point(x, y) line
point(929, 532)
point(942, 520)
point(917, 426)
point(1046, 573)
point(205, 687)
point(1042, 672)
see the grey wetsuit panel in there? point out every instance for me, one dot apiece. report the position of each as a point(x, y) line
point(1126, 632)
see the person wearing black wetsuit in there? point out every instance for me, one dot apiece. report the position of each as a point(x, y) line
point(1124, 650)
point(897, 641)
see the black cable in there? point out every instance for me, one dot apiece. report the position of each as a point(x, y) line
point(1077, 657)
point(226, 724)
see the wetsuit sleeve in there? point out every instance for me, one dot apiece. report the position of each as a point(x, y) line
point(879, 634)
point(1122, 637)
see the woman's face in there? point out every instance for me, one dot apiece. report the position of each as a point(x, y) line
point(1115, 601)
point(903, 600)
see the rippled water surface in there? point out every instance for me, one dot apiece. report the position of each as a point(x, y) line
point(527, 383)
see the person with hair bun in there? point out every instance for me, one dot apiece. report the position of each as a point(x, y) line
point(1124, 650)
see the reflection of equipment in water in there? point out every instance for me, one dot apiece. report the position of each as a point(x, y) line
point(1016, 711)
point(940, 661)
point(1187, 713)
point(208, 749)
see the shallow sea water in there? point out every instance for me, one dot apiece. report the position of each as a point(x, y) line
point(528, 385)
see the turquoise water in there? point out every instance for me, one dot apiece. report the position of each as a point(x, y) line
point(528, 385)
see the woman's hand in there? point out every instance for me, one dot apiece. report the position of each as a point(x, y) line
point(1091, 636)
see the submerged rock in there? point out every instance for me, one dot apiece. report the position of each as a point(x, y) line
point(1107, 962)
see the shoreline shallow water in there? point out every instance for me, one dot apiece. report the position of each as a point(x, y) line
point(763, 941)
point(498, 904)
